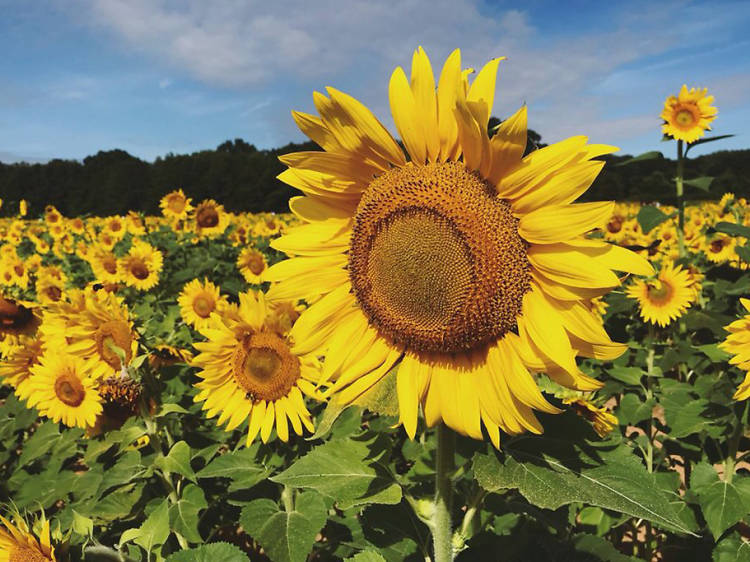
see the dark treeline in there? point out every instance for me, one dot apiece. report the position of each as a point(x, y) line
point(243, 178)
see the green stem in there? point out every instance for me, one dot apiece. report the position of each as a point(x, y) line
point(734, 444)
point(649, 374)
point(287, 498)
point(680, 200)
point(442, 529)
point(468, 526)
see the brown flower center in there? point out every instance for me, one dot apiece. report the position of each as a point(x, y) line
point(436, 261)
point(685, 118)
point(264, 367)
point(207, 217)
point(22, 553)
point(660, 292)
point(109, 263)
point(255, 263)
point(139, 269)
point(69, 389)
point(176, 203)
point(204, 305)
point(15, 318)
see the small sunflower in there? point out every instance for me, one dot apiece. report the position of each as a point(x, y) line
point(16, 368)
point(720, 248)
point(141, 267)
point(737, 344)
point(252, 263)
point(175, 205)
point(104, 265)
point(49, 289)
point(459, 262)
point(18, 543)
point(198, 301)
point(210, 219)
point(665, 298)
point(602, 420)
point(250, 373)
point(687, 115)
point(61, 388)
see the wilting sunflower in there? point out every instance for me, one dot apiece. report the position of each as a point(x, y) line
point(96, 326)
point(601, 420)
point(465, 264)
point(665, 298)
point(252, 263)
point(198, 301)
point(738, 344)
point(18, 320)
point(210, 218)
point(687, 115)
point(141, 266)
point(62, 389)
point(18, 543)
point(250, 373)
point(175, 205)
point(164, 355)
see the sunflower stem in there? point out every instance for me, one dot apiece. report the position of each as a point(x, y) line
point(442, 528)
point(680, 200)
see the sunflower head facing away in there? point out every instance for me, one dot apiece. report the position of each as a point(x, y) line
point(250, 373)
point(459, 262)
point(665, 298)
point(19, 544)
point(688, 115)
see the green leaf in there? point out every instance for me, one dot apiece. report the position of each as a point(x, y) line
point(45, 436)
point(704, 141)
point(689, 419)
point(604, 550)
point(743, 252)
point(178, 461)
point(366, 556)
point(240, 466)
point(732, 548)
point(343, 470)
point(184, 515)
point(167, 409)
point(720, 501)
point(733, 229)
point(632, 410)
point(702, 183)
point(712, 351)
point(649, 217)
point(331, 413)
point(554, 471)
point(382, 398)
point(155, 528)
point(286, 536)
point(82, 525)
point(652, 155)
point(214, 552)
point(628, 375)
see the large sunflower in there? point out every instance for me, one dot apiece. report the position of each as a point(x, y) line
point(250, 373)
point(687, 115)
point(18, 543)
point(665, 298)
point(61, 388)
point(461, 262)
point(737, 344)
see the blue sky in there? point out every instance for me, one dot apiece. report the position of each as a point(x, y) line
point(159, 76)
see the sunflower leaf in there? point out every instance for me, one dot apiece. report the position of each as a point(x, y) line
point(351, 472)
point(704, 141)
point(210, 553)
point(732, 229)
point(721, 501)
point(649, 217)
point(286, 536)
point(651, 155)
point(554, 469)
point(702, 183)
point(239, 466)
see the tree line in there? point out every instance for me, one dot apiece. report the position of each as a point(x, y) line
point(243, 178)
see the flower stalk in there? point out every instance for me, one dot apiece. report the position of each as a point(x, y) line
point(442, 528)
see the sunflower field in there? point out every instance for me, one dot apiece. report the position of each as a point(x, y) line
point(436, 355)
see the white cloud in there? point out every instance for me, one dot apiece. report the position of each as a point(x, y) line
point(256, 46)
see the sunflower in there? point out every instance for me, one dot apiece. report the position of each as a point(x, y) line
point(18, 320)
point(198, 301)
point(465, 265)
point(602, 420)
point(250, 372)
point(62, 389)
point(96, 326)
point(141, 266)
point(252, 263)
point(16, 368)
point(49, 290)
point(175, 205)
point(687, 115)
point(104, 265)
point(18, 543)
point(720, 248)
point(665, 298)
point(210, 218)
point(737, 344)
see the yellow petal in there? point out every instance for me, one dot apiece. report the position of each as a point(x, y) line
point(314, 208)
point(482, 90)
point(282, 427)
point(257, 414)
point(557, 223)
point(313, 127)
point(423, 89)
point(404, 111)
point(268, 423)
point(563, 264)
point(407, 382)
point(327, 237)
point(507, 146)
point(448, 88)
